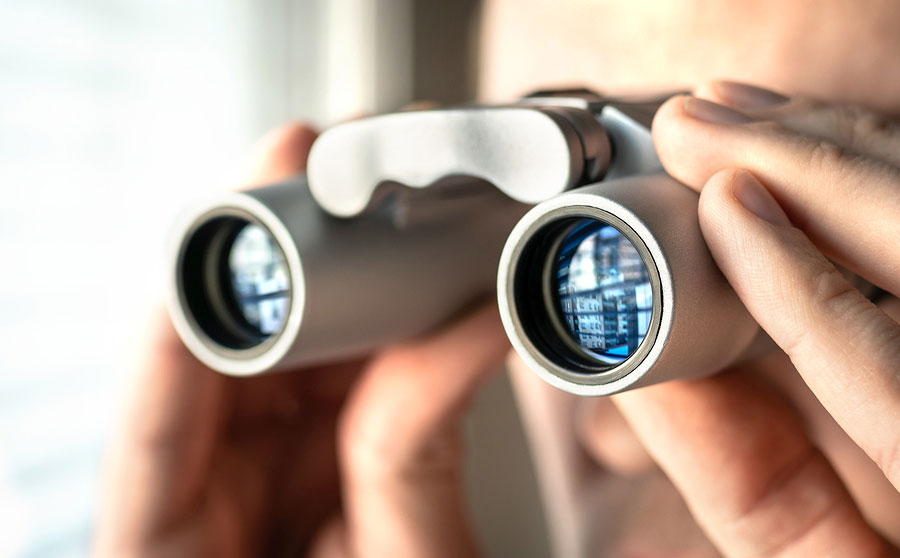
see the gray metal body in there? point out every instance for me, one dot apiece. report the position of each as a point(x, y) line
point(404, 227)
point(356, 283)
point(405, 216)
point(700, 325)
point(528, 153)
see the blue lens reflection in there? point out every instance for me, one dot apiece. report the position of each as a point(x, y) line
point(259, 279)
point(605, 295)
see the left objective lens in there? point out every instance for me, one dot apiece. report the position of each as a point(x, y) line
point(235, 281)
point(259, 278)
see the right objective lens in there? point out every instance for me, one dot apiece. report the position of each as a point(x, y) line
point(603, 291)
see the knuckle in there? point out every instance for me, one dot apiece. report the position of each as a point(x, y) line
point(806, 471)
point(810, 104)
point(770, 128)
point(365, 438)
point(832, 291)
point(828, 293)
point(865, 134)
point(868, 127)
point(386, 412)
point(401, 360)
point(800, 110)
point(827, 157)
point(777, 132)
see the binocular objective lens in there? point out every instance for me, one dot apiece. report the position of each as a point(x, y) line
point(260, 281)
point(603, 290)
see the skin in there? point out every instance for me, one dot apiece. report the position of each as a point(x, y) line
point(848, 65)
point(794, 454)
point(835, 50)
point(339, 460)
point(798, 441)
point(807, 162)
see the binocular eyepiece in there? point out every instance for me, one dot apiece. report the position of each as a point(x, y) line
point(604, 280)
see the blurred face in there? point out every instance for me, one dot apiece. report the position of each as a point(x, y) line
point(831, 49)
point(834, 50)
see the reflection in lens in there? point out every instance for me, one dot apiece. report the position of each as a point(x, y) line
point(604, 291)
point(259, 279)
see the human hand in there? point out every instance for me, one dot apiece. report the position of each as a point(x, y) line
point(357, 458)
point(769, 460)
point(785, 185)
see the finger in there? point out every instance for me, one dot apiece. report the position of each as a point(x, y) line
point(744, 465)
point(845, 202)
point(845, 347)
point(280, 154)
point(891, 307)
point(562, 469)
point(164, 450)
point(400, 441)
point(331, 541)
point(178, 398)
point(850, 126)
point(608, 438)
point(876, 498)
point(423, 104)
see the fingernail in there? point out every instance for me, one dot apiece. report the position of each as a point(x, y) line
point(747, 96)
point(713, 113)
point(754, 196)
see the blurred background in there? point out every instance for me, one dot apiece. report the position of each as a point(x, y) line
point(114, 115)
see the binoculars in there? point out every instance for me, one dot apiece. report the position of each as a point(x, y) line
point(557, 202)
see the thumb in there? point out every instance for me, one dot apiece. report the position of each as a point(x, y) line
point(400, 441)
point(280, 154)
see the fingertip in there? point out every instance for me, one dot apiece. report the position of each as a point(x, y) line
point(727, 91)
point(721, 184)
point(736, 240)
point(736, 190)
point(668, 114)
point(281, 153)
point(707, 90)
point(666, 134)
point(288, 140)
point(676, 136)
point(420, 104)
point(717, 201)
point(745, 96)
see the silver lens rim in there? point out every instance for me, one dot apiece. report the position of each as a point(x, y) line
point(270, 351)
point(551, 302)
point(593, 206)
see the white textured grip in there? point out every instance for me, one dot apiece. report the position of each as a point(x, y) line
point(528, 154)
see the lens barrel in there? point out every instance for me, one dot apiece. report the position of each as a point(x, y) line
point(235, 280)
point(600, 292)
point(611, 287)
point(265, 280)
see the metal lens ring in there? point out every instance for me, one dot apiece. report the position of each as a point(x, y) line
point(599, 291)
point(235, 281)
point(587, 294)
